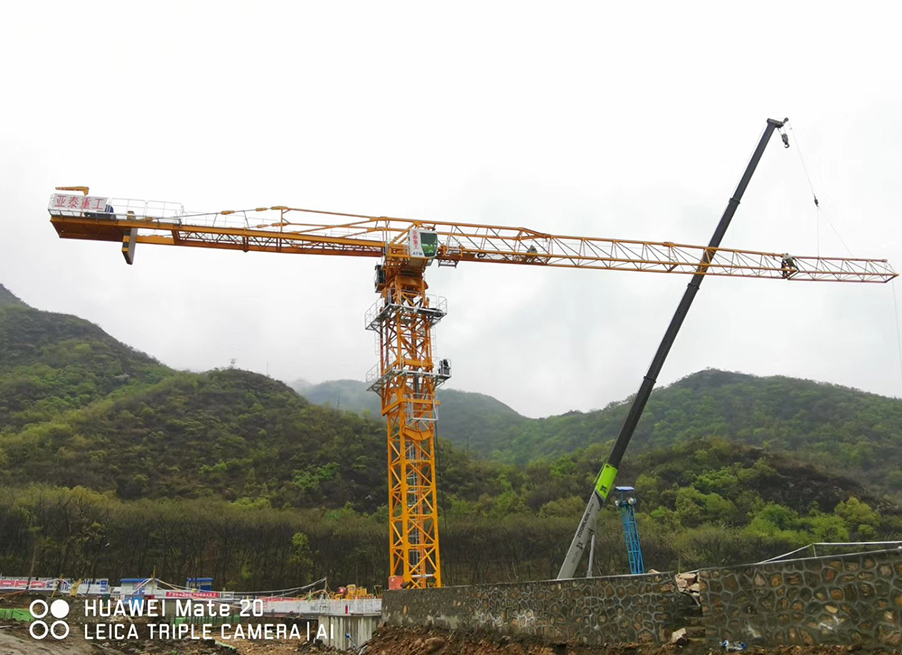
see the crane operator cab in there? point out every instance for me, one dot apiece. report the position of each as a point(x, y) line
point(108, 213)
point(422, 244)
point(444, 369)
point(379, 278)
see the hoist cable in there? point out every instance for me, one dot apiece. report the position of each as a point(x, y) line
point(817, 203)
point(898, 333)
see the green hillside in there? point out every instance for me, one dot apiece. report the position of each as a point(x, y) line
point(472, 421)
point(226, 433)
point(79, 408)
point(841, 429)
point(51, 363)
point(704, 503)
point(56, 369)
point(8, 298)
point(113, 464)
point(346, 395)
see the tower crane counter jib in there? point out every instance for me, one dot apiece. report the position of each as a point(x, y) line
point(408, 373)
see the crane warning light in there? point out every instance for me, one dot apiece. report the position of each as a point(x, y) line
point(422, 244)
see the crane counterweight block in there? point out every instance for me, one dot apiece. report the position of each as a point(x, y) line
point(129, 241)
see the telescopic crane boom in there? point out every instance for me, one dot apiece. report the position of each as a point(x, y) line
point(605, 480)
point(407, 375)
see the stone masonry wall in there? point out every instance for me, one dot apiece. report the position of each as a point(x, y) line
point(848, 599)
point(827, 600)
point(621, 609)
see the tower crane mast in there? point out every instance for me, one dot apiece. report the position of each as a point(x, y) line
point(404, 315)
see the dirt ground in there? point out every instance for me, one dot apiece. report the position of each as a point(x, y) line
point(15, 640)
point(396, 641)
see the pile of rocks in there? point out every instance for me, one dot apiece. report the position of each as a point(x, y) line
point(687, 583)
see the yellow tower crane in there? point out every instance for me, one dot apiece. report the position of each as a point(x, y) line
point(407, 375)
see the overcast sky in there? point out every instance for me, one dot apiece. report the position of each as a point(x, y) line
point(628, 120)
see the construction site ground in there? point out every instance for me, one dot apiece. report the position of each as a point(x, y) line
point(15, 640)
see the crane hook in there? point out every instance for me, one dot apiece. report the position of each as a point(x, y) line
point(784, 135)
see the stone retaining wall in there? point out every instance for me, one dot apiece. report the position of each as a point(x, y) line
point(850, 599)
point(827, 600)
point(621, 609)
point(846, 599)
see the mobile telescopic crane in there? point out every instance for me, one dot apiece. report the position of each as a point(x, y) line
point(407, 376)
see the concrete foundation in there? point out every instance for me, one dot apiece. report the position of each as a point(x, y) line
point(356, 626)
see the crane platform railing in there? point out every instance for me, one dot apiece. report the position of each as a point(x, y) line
point(376, 378)
point(101, 208)
point(435, 309)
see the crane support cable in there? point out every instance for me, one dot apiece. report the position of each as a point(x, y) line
point(371, 236)
point(817, 203)
point(898, 332)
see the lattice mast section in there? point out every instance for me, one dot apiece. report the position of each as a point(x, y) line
point(626, 503)
point(406, 380)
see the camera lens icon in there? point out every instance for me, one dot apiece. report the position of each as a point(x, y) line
point(40, 629)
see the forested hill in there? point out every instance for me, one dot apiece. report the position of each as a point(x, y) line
point(69, 391)
point(838, 428)
point(79, 408)
point(229, 433)
point(473, 421)
point(842, 429)
point(103, 449)
point(50, 363)
point(7, 297)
